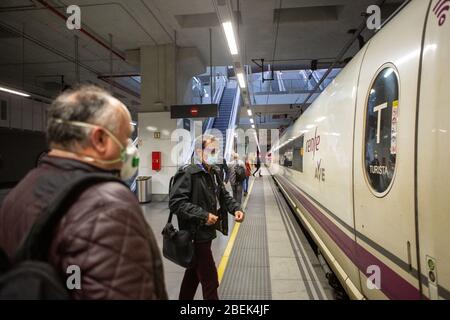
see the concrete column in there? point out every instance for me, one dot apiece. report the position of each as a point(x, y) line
point(166, 72)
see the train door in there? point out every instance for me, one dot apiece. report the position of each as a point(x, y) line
point(383, 163)
point(433, 143)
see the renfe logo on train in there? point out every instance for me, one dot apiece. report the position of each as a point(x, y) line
point(312, 145)
point(381, 130)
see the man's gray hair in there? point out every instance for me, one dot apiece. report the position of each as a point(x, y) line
point(85, 103)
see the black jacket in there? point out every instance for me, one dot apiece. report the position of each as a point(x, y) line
point(194, 195)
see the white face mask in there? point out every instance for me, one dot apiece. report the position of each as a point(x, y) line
point(128, 155)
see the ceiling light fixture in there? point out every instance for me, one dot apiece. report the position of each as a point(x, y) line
point(14, 92)
point(229, 33)
point(241, 80)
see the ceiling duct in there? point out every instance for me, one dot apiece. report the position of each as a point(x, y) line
point(307, 14)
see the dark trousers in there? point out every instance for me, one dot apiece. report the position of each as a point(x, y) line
point(257, 169)
point(203, 271)
point(237, 192)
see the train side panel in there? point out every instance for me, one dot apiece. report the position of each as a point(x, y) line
point(322, 190)
point(434, 155)
point(358, 197)
point(384, 158)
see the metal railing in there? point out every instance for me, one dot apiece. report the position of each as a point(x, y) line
point(291, 82)
point(222, 84)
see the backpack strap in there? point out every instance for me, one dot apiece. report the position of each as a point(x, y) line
point(37, 243)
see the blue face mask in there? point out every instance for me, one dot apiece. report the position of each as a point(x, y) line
point(212, 159)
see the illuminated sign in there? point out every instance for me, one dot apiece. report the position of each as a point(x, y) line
point(194, 111)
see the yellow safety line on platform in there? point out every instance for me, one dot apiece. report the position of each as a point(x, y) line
point(224, 261)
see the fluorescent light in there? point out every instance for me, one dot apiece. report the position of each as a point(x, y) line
point(229, 33)
point(251, 120)
point(14, 92)
point(249, 112)
point(241, 80)
point(133, 123)
point(253, 126)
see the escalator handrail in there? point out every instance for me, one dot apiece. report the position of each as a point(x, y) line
point(216, 99)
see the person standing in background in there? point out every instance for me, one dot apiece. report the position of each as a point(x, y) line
point(248, 172)
point(195, 198)
point(237, 177)
point(258, 165)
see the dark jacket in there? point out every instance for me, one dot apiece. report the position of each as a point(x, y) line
point(194, 195)
point(104, 233)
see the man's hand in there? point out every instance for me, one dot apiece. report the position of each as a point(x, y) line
point(239, 216)
point(212, 219)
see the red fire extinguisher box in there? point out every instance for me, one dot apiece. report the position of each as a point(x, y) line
point(156, 160)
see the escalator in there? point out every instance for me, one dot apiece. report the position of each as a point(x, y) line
point(222, 122)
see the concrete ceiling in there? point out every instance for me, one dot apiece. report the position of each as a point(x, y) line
point(308, 29)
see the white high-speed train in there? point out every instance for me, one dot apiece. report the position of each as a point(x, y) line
point(366, 167)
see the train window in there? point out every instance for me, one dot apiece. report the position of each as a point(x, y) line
point(291, 156)
point(380, 144)
point(286, 157)
point(297, 146)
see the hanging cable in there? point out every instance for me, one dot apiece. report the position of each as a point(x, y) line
point(275, 44)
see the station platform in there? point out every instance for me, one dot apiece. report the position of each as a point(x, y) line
point(267, 257)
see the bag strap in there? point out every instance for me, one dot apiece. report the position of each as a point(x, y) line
point(219, 179)
point(170, 190)
point(38, 241)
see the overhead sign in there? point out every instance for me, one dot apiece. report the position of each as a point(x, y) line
point(194, 111)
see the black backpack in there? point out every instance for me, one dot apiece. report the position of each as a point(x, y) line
point(29, 276)
point(240, 173)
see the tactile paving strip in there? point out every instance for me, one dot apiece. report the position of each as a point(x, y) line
point(247, 275)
